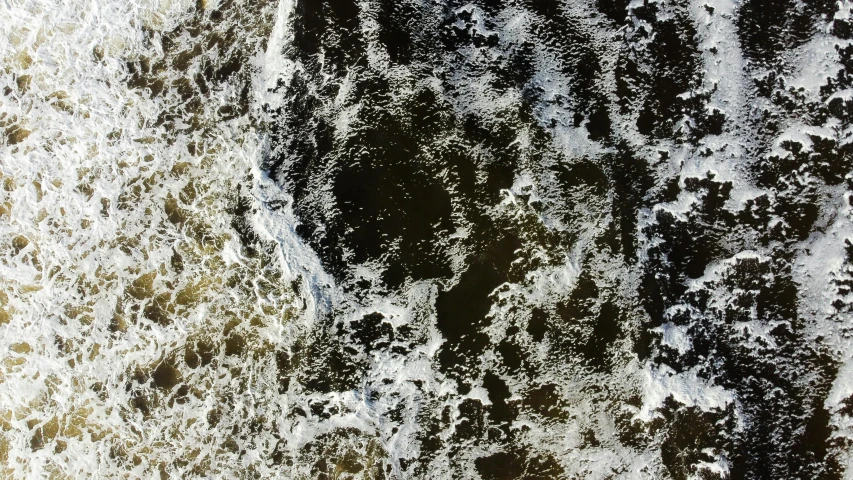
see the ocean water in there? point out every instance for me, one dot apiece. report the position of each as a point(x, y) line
point(539, 239)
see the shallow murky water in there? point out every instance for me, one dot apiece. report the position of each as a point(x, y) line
point(410, 239)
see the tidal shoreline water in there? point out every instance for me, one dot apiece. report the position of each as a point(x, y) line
point(408, 239)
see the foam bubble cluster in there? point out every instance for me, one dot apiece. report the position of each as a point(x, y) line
point(140, 320)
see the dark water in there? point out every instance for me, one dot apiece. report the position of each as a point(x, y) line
point(470, 147)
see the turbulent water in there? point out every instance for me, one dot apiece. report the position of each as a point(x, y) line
point(522, 239)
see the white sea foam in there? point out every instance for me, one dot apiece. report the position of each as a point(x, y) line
point(98, 202)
